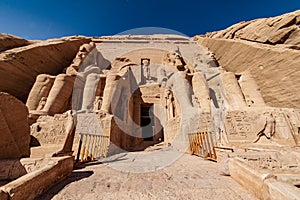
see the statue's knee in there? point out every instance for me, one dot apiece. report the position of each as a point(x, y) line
point(42, 77)
point(93, 76)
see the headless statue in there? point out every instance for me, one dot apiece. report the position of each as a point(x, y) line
point(70, 134)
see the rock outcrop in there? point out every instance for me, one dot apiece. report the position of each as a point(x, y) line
point(21, 65)
point(8, 42)
point(15, 132)
point(236, 98)
point(51, 94)
point(283, 29)
point(252, 47)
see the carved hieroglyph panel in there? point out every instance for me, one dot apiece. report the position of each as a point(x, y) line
point(90, 123)
point(245, 125)
point(279, 161)
point(242, 125)
point(205, 121)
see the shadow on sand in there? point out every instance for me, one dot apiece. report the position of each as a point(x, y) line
point(78, 175)
point(75, 176)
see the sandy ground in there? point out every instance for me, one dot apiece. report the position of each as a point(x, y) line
point(158, 174)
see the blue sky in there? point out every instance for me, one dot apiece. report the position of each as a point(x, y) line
point(37, 19)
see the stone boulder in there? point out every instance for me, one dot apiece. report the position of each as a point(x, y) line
point(14, 128)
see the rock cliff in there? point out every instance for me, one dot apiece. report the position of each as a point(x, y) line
point(19, 65)
point(9, 41)
point(268, 49)
point(283, 29)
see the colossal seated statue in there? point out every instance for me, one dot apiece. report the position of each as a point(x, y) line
point(51, 95)
point(201, 91)
point(87, 80)
point(59, 95)
point(40, 89)
point(233, 94)
point(121, 68)
point(181, 88)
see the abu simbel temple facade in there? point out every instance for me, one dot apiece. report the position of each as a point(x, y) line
point(231, 97)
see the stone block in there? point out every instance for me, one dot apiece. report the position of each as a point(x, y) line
point(35, 183)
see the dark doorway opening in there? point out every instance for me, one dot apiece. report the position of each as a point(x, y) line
point(147, 121)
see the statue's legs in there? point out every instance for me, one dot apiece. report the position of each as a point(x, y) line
point(89, 92)
point(40, 89)
point(60, 94)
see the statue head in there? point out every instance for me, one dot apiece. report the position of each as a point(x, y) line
point(145, 62)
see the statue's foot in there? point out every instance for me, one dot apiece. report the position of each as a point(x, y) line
point(85, 111)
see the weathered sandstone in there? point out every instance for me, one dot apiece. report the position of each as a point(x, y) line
point(21, 65)
point(283, 29)
point(15, 133)
point(9, 41)
point(275, 69)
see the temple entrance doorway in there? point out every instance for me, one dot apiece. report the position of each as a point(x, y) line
point(151, 127)
point(147, 121)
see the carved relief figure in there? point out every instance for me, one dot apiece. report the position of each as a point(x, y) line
point(42, 103)
point(169, 104)
point(269, 129)
point(146, 68)
point(98, 103)
point(162, 77)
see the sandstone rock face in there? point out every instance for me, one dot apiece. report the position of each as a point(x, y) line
point(15, 132)
point(283, 29)
point(20, 66)
point(51, 94)
point(185, 94)
point(8, 42)
point(259, 76)
point(275, 68)
point(135, 91)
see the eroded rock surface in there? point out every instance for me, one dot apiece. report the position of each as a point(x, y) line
point(273, 65)
point(283, 29)
point(15, 132)
point(230, 91)
point(21, 65)
point(9, 41)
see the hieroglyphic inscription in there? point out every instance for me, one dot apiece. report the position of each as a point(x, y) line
point(87, 123)
point(205, 121)
point(241, 125)
point(271, 160)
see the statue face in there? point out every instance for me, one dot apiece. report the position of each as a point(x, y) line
point(145, 62)
point(83, 54)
